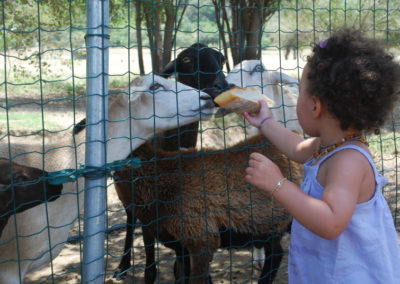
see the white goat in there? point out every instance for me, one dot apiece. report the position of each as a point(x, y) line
point(279, 87)
point(150, 108)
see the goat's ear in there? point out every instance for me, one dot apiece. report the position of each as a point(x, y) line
point(168, 70)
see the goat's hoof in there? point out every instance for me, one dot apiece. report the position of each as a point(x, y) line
point(150, 275)
point(259, 265)
point(119, 274)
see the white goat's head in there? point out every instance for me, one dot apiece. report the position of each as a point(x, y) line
point(253, 73)
point(167, 104)
point(277, 86)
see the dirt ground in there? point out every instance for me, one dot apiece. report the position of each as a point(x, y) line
point(227, 267)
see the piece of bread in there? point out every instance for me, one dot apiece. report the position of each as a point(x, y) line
point(241, 100)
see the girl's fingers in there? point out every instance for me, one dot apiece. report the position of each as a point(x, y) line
point(248, 178)
point(249, 170)
point(248, 117)
point(257, 157)
point(263, 103)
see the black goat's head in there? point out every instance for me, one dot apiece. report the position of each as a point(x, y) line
point(27, 183)
point(200, 67)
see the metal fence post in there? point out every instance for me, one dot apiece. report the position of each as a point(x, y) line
point(97, 38)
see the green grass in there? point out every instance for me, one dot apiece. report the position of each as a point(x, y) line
point(387, 143)
point(32, 121)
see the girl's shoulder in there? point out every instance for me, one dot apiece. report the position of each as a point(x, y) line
point(352, 162)
point(350, 156)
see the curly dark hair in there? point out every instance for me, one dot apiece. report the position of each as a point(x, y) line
point(355, 78)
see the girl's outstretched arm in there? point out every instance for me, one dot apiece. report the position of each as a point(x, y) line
point(291, 144)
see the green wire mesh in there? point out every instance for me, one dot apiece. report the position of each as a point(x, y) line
point(43, 77)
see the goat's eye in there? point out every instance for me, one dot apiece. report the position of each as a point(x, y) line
point(186, 59)
point(155, 86)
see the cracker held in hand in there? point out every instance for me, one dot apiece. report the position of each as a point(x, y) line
point(241, 100)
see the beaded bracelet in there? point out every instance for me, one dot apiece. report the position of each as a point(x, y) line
point(278, 186)
point(264, 120)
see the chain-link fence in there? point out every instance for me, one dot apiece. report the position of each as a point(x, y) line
point(64, 63)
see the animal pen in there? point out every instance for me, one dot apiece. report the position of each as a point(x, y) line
point(58, 67)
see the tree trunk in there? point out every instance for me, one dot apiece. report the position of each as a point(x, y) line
point(168, 33)
point(253, 31)
point(161, 49)
point(138, 19)
point(157, 42)
point(220, 24)
point(247, 21)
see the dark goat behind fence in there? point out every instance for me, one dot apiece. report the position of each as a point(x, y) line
point(21, 188)
point(195, 202)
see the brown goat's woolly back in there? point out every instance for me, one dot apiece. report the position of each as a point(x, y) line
point(195, 195)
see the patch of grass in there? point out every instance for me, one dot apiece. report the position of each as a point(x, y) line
point(387, 143)
point(32, 121)
point(229, 120)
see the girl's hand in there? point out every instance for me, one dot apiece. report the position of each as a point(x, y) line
point(262, 172)
point(255, 119)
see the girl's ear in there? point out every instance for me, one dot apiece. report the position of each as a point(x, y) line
point(317, 107)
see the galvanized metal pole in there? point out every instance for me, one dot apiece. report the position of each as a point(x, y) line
point(97, 39)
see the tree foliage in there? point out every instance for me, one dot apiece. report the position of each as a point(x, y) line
point(241, 28)
point(313, 20)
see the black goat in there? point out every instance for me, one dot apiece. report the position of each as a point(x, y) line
point(199, 67)
point(23, 187)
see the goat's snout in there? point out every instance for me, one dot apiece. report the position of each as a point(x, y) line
point(220, 91)
point(208, 101)
point(220, 83)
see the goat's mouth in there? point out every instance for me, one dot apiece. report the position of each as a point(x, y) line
point(209, 104)
point(215, 91)
point(220, 91)
point(206, 109)
point(221, 112)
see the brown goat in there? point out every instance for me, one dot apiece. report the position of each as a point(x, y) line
point(198, 201)
point(24, 188)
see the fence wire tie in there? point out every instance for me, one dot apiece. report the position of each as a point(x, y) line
point(105, 36)
point(91, 172)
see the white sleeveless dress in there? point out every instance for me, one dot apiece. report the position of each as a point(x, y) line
point(368, 250)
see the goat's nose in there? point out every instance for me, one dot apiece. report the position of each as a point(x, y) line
point(205, 96)
point(220, 83)
point(209, 102)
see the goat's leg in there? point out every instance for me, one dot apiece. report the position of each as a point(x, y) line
point(199, 265)
point(259, 257)
point(273, 258)
point(287, 52)
point(150, 272)
point(125, 264)
point(181, 265)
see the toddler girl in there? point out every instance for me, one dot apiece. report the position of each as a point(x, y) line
point(343, 230)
